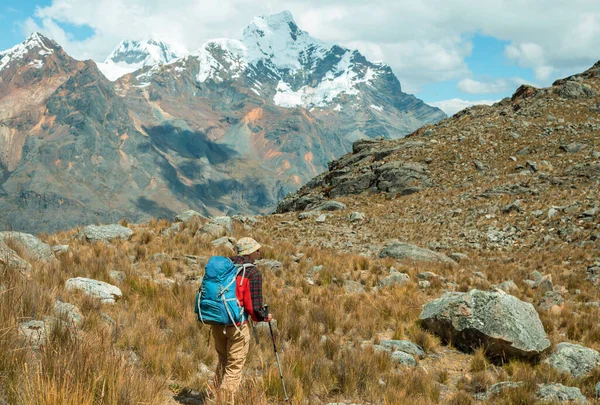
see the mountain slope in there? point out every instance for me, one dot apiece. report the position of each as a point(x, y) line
point(232, 127)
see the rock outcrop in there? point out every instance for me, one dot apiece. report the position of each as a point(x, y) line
point(105, 292)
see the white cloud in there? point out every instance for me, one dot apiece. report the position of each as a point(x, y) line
point(452, 106)
point(503, 85)
point(424, 42)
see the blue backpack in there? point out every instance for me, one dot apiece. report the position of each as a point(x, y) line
point(216, 302)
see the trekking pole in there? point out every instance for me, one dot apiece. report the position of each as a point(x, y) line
point(266, 312)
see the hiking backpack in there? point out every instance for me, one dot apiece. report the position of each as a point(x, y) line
point(216, 301)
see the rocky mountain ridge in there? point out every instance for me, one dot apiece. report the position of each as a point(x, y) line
point(207, 130)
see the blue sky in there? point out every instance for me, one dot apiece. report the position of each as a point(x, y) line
point(449, 54)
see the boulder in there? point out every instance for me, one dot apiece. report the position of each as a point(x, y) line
point(31, 246)
point(269, 264)
point(559, 393)
point(402, 178)
point(225, 222)
point(506, 326)
point(573, 359)
point(574, 89)
point(188, 216)
point(507, 286)
point(356, 217)
point(395, 278)
point(58, 249)
point(105, 233)
point(173, 229)
point(212, 229)
point(405, 346)
point(11, 259)
point(68, 312)
point(405, 251)
point(106, 293)
point(331, 206)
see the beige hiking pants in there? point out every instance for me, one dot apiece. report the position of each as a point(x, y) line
point(232, 347)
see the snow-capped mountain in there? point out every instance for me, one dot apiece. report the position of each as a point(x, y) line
point(130, 56)
point(34, 43)
point(231, 127)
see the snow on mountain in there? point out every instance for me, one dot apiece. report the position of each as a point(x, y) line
point(34, 42)
point(130, 56)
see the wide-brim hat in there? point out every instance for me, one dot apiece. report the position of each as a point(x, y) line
point(246, 246)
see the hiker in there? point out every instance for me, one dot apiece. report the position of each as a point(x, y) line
point(232, 341)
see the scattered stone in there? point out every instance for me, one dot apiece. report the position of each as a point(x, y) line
point(593, 273)
point(552, 301)
point(424, 284)
point(31, 246)
point(508, 286)
point(479, 275)
point(500, 387)
point(105, 292)
point(544, 284)
point(307, 214)
point(537, 213)
point(269, 264)
point(559, 393)
point(224, 221)
point(188, 216)
point(11, 259)
point(173, 229)
point(404, 345)
point(405, 251)
point(459, 257)
point(403, 359)
point(356, 217)
point(480, 165)
point(313, 274)
point(321, 218)
point(117, 276)
point(428, 275)
point(597, 390)
point(331, 206)
point(264, 326)
point(353, 287)
point(514, 206)
point(34, 332)
point(536, 276)
point(212, 229)
point(105, 233)
point(505, 325)
point(573, 147)
point(552, 212)
point(573, 359)
point(68, 312)
point(395, 278)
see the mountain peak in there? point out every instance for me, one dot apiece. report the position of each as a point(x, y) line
point(35, 42)
point(276, 25)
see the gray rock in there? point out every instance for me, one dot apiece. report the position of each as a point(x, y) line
point(331, 206)
point(31, 246)
point(405, 346)
point(405, 251)
point(173, 229)
point(505, 325)
point(427, 275)
point(536, 276)
point(537, 213)
point(394, 278)
point(573, 147)
point(105, 292)
point(402, 178)
point(225, 241)
point(35, 333)
point(597, 390)
point(574, 359)
point(59, 249)
point(188, 216)
point(559, 393)
point(313, 274)
point(353, 287)
point(552, 212)
point(404, 359)
point(117, 276)
point(307, 214)
point(459, 257)
point(424, 284)
point(514, 206)
point(212, 229)
point(508, 286)
point(68, 312)
point(105, 233)
point(264, 326)
point(321, 218)
point(225, 222)
point(269, 264)
point(544, 284)
point(593, 273)
point(11, 259)
point(500, 387)
point(590, 213)
point(356, 217)
point(550, 300)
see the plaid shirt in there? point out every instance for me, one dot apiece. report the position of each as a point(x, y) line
point(255, 280)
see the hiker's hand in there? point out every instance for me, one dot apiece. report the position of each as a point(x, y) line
point(268, 318)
